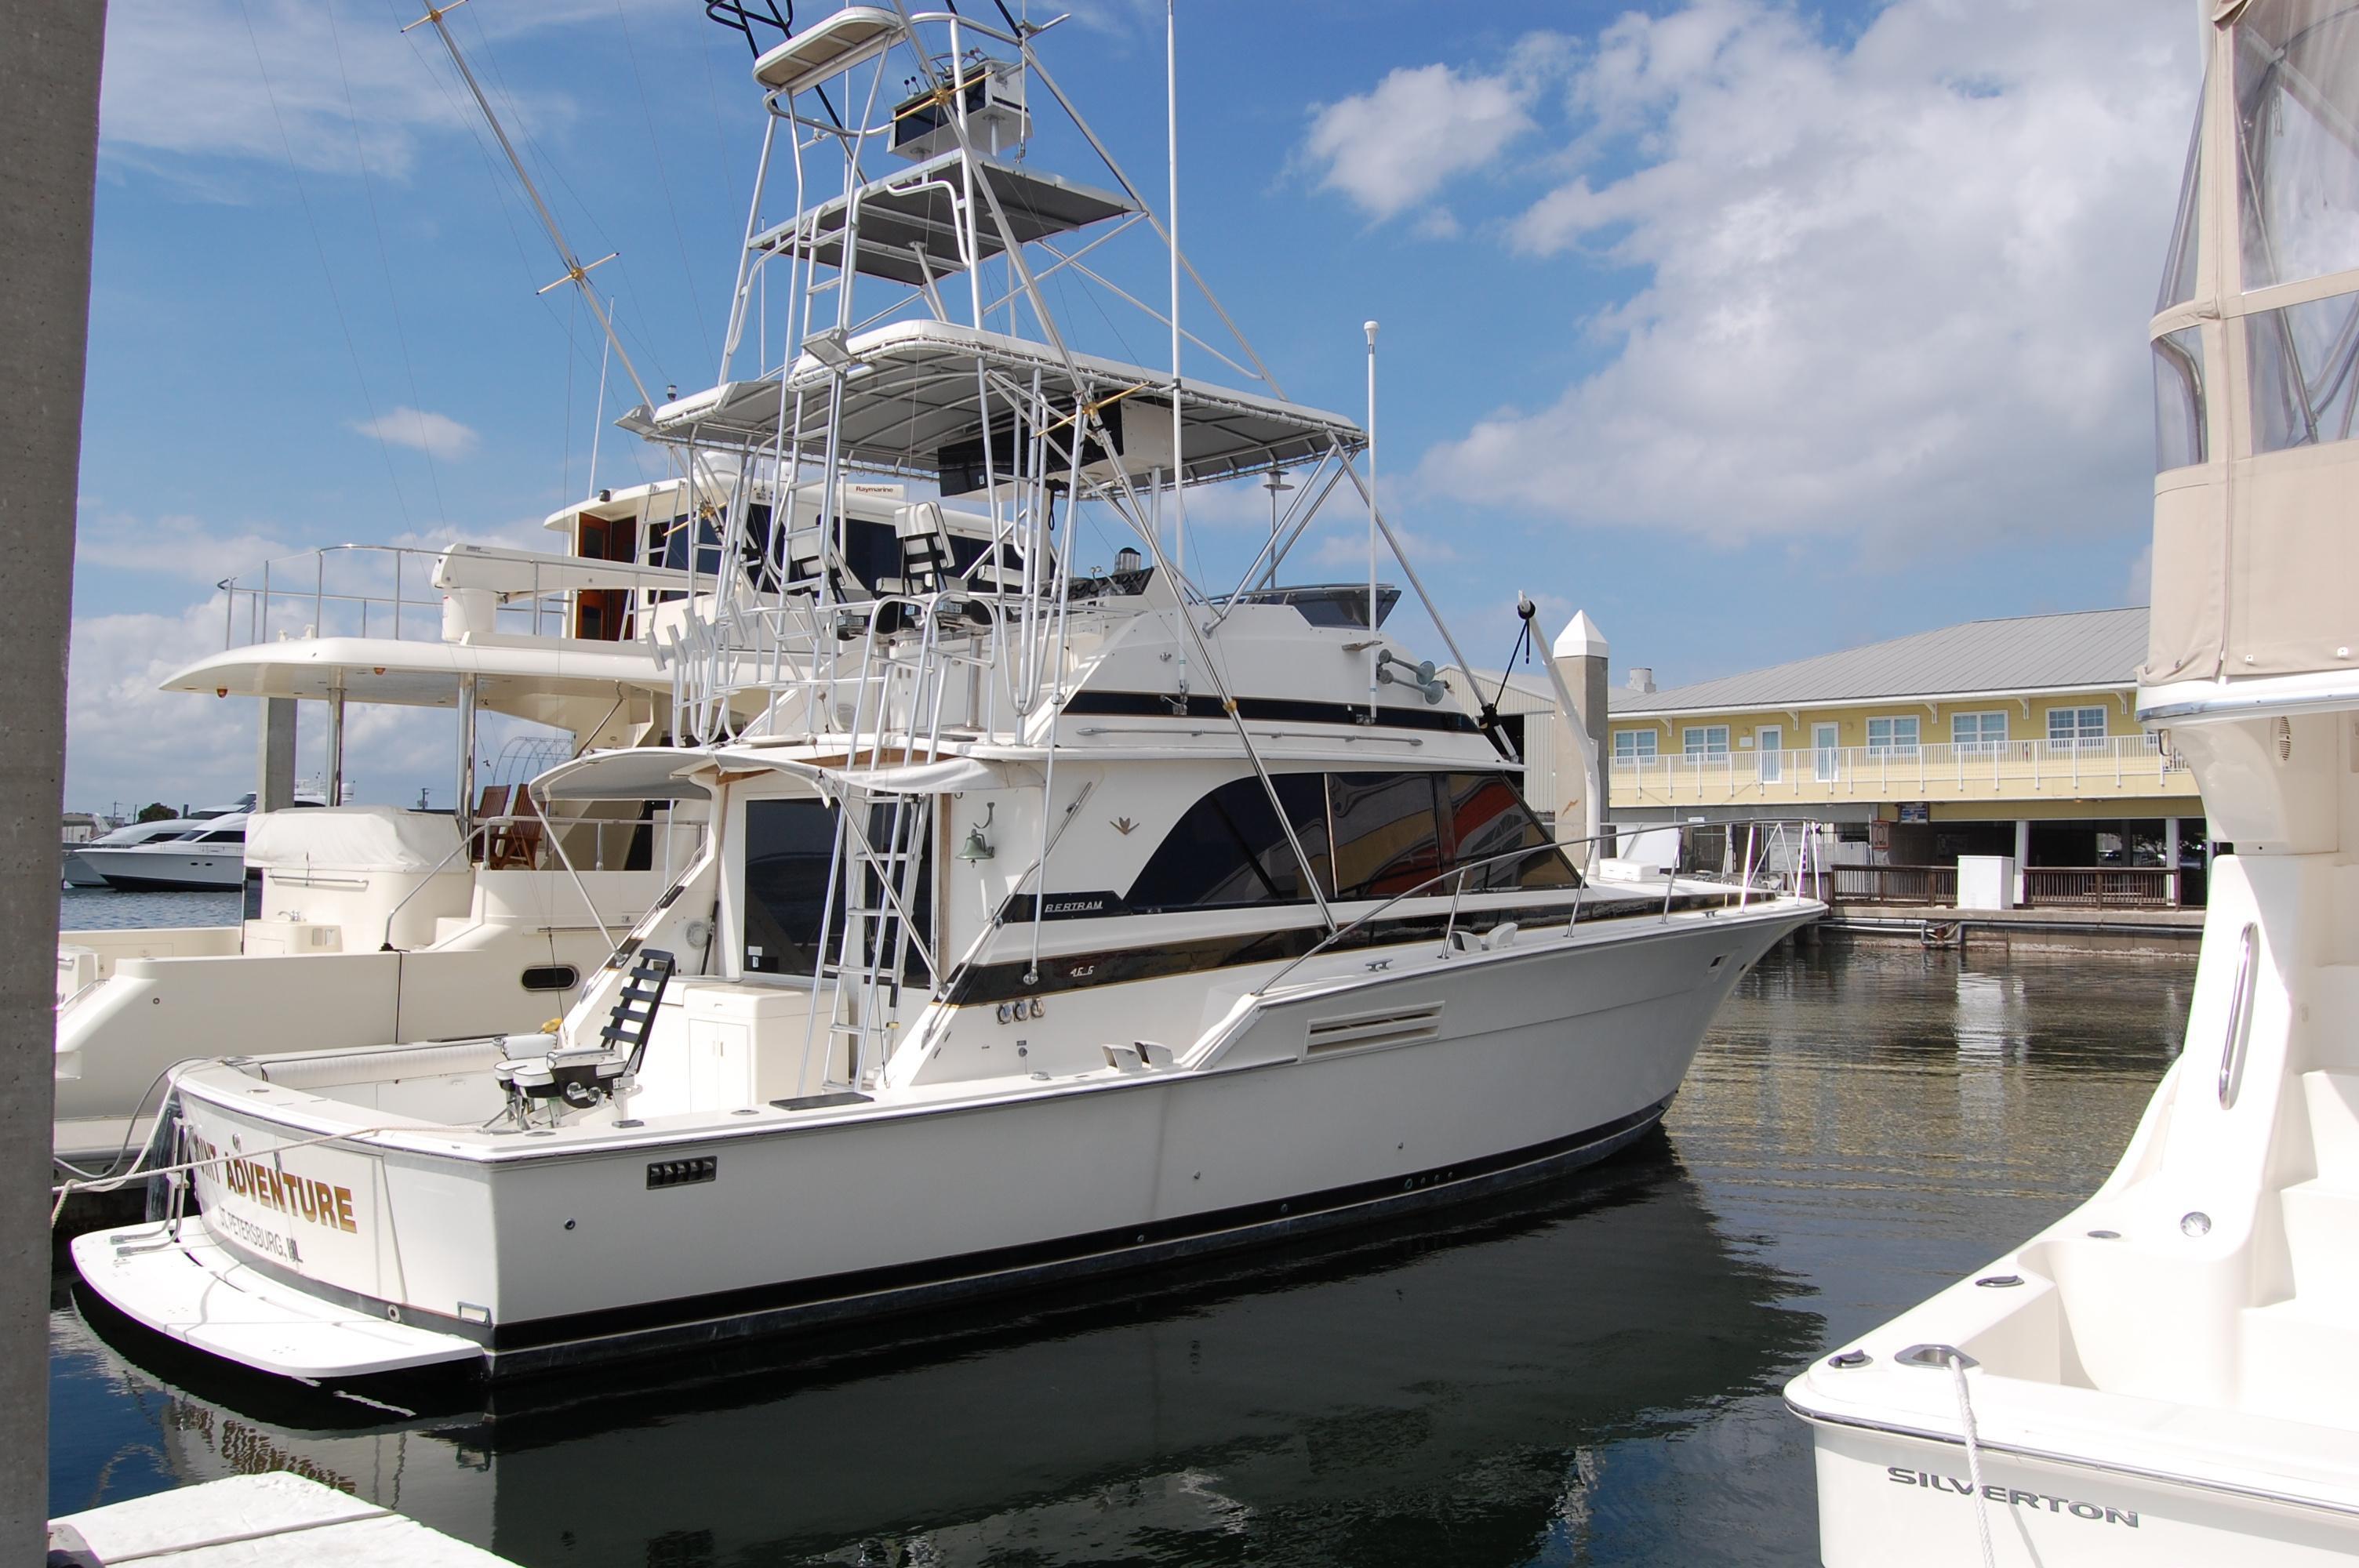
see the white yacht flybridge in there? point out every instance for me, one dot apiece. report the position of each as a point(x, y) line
point(2170, 1373)
point(1053, 916)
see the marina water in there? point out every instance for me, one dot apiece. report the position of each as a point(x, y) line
point(1587, 1374)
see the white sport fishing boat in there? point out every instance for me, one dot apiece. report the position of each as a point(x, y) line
point(373, 923)
point(2170, 1374)
point(1050, 921)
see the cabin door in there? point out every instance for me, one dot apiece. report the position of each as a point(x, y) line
point(603, 615)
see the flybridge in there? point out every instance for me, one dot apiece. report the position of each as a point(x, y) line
point(951, 363)
point(922, 398)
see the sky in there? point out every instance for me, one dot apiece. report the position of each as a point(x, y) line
point(1755, 329)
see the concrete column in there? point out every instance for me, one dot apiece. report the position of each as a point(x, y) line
point(48, 146)
point(274, 759)
point(2170, 856)
point(1580, 656)
point(2022, 859)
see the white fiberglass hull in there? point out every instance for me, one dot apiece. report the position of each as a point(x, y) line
point(1878, 1487)
point(152, 869)
point(531, 1252)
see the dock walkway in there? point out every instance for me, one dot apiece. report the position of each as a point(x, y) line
point(255, 1521)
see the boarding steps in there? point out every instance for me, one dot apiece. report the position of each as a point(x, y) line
point(2300, 1354)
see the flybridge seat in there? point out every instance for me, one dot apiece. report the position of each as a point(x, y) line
point(911, 407)
point(909, 220)
point(579, 1076)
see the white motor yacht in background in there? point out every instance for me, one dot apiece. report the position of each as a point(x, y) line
point(1048, 921)
point(78, 873)
point(204, 857)
point(2170, 1374)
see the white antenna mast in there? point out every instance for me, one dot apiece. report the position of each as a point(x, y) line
point(1375, 655)
point(597, 424)
point(575, 273)
point(1171, 129)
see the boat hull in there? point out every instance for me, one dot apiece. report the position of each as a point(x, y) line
point(142, 869)
point(544, 1256)
point(1877, 1486)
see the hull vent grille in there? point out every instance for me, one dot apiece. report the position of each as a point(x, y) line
point(1361, 1031)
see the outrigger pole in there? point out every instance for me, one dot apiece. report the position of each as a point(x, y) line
point(575, 271)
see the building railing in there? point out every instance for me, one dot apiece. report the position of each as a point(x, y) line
point(2128, 765)
point(2043, 887)
point(1887, 884)
point(2102, 887)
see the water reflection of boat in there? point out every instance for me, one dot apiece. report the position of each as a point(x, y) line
point(1486, 1352)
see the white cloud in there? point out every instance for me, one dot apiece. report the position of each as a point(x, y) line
point(127, 741)
point(1896, 286)
point(125, 738)
point(435, 435)
point(173, 546)
point(184, 83)
point(1401, 141)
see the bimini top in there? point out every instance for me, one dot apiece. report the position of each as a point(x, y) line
point(911, 398)
point(908, 219)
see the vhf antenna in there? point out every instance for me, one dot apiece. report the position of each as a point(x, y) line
point(575, 273)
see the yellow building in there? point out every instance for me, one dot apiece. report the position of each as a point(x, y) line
point(2012, 738)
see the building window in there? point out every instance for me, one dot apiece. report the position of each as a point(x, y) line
point(1633, 745)
point(2083, 729)
point(1893, 737)
point(1978, 731)
point(1704, 740)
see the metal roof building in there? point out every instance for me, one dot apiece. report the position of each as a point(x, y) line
point(2090, 650)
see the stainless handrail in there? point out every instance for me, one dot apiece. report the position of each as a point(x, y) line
point(2240, 1000)
point(1580, 884)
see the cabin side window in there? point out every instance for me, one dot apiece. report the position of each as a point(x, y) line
point(1368, 835)
point(1387, 833)
point(1486, 816)
point(1229, 849)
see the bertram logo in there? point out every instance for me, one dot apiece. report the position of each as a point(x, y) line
point(272, 1187)
point(1900, 1474)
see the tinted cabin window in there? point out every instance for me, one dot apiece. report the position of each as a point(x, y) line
point(227, 835)
point(1229, 850)
point(790, 850)
point(1388, 835)
point(789, 845)
point(1485, 817)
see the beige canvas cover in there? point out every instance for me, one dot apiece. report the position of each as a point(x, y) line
point(2257, 515)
